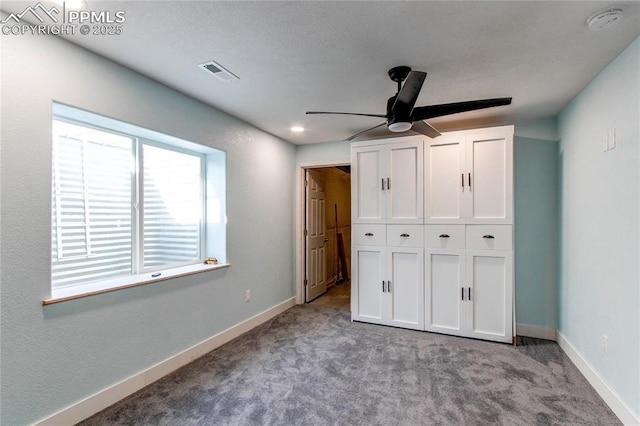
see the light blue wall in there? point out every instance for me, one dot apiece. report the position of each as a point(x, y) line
point(329, 153)
point(600, 213)
point(56, 355)
point(536, 230)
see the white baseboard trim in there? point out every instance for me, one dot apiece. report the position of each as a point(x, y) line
point(536, 331)
point(106, 397)
point(612, 399)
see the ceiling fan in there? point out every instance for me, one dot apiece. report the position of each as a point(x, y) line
point(402, 115)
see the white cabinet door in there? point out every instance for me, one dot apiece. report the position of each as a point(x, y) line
point(368, 175)
point(470, 293)
point(444, 277)
point(368, 283)
point(387, 181)
point(469, 177)
point(490, 312)
point(444, 175)
point(405, 186)
point(405, 288)
point(490, 177)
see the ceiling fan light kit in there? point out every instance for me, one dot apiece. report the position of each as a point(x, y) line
point(402, 114)
point(399, 126)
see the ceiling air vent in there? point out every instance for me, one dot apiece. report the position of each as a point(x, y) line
point(219, 71)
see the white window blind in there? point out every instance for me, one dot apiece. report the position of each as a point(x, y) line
point(92, 204)
point(173, 208)
point(122, 205)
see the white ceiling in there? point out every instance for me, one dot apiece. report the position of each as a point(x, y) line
point(292, 57)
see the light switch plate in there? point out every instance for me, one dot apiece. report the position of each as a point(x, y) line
point(611, 139)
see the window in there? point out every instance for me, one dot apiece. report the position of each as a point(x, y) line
point(130, 204)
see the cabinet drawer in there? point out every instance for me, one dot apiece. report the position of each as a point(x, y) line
point(368, 235)
point(445, 236)
point(405, 235)
point(489, 237)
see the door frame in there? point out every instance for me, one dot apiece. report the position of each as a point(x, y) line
point(301, 169)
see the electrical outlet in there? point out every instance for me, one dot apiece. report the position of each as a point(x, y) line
point(247, 295)
point(605, 344)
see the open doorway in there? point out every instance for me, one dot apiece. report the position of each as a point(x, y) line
point(326, 236)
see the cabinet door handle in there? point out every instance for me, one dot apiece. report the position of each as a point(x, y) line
point(462, 180)
point(368, 234)
point(462, 292)
point(469, 298)
point(405, 235)
point(388, 286)
point(388, 183)
point(383, 290)
point(469, 180)
point(489, 237)
point(444, 236)
point(382, 180)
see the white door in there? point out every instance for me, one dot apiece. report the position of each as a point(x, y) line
point(405, 288)
point(405, 183)
point(316, 238)
point(368, 184)
point(368, 284)
point(445, 294)
point(490, 278)
point(446, 183)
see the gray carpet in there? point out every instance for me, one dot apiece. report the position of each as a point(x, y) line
point(312, 366)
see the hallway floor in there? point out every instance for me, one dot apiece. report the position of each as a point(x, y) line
point(338, 296)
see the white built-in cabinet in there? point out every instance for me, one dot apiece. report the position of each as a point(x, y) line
point(469, 281)
point(433, 233)
point(469, 177)
point(388, 266)
point(387, 184)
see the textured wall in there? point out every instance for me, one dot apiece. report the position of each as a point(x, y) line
point(56, 355)
point(536, 231)
point(600, 205)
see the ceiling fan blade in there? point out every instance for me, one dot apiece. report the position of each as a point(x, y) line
point(346, 113)
point(408, 94)
point(425, 128)
point(352, 137)
point(431, 111)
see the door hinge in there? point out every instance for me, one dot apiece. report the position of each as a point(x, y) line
point(306, 183)
point(306, 232)
point(306, 283)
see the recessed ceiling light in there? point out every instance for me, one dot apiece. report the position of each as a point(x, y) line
point(297, 129)
point(605, 18)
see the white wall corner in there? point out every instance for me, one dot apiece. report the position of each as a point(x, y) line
point(109, 396)
point(536, 331)
point(610, 397)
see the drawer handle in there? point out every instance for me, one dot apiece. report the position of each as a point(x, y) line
point(368, 234)
point(490, 237)
point(444, 236)
point(404, 235)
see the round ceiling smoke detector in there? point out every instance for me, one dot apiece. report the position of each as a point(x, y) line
point(605, 18)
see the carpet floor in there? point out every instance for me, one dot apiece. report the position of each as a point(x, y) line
point(312, 366)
